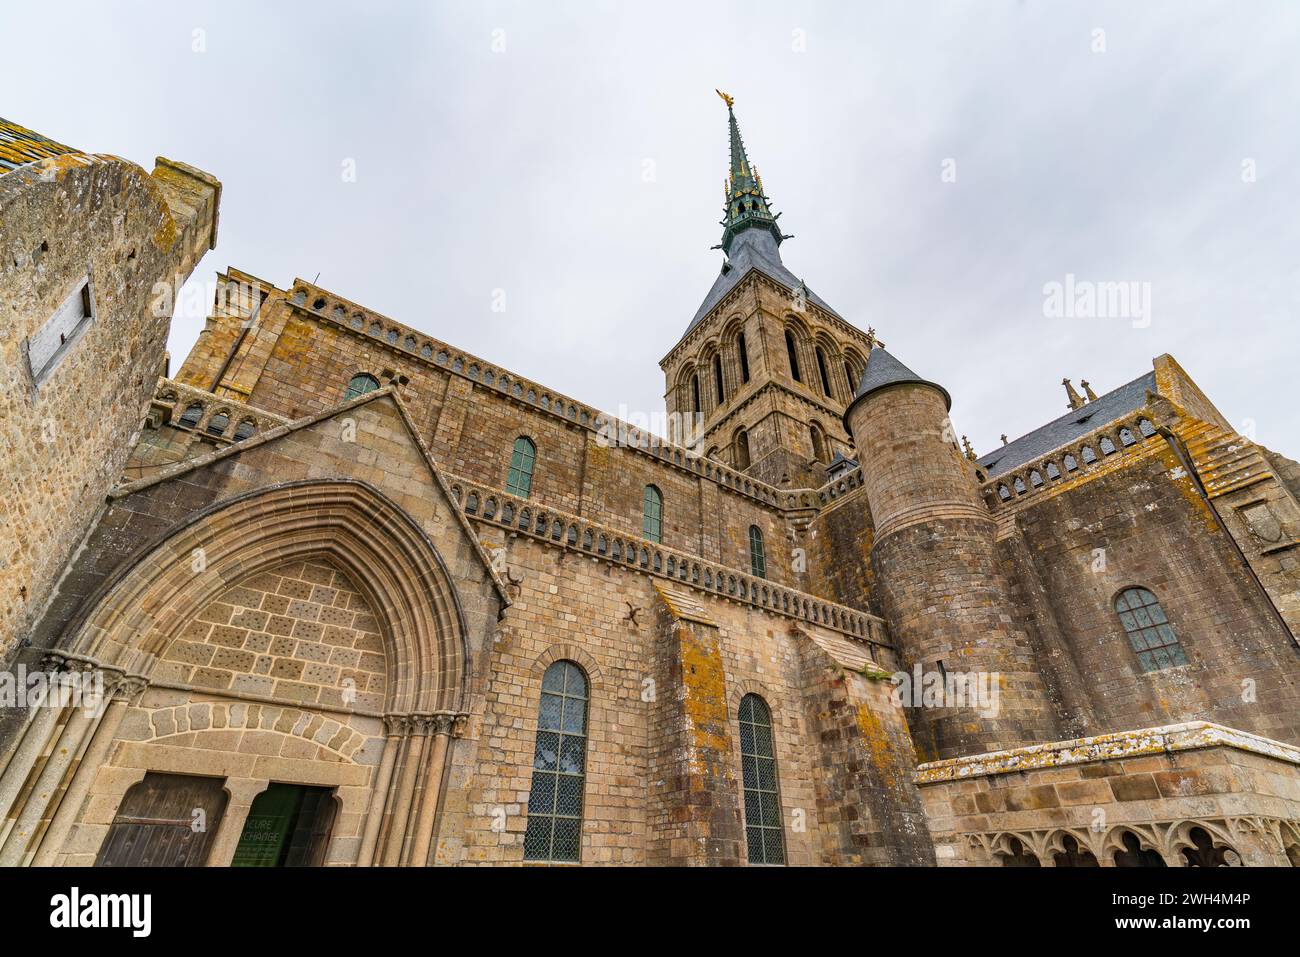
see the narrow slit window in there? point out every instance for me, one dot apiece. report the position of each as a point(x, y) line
point(51, 342)
point(757, 555)
point(821, 370)
point(793, 357)
point(652, 514)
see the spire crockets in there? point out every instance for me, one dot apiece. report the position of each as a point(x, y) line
point(745, 204)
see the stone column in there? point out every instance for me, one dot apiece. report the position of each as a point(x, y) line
point(444, 727)
point(83, 717)
point(379, 793)
point(415, 728)
point(242, 792)
point(85, 770)
point(31, 743)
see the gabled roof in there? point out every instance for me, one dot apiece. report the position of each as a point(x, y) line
point(385, 394)
point(1074, 424)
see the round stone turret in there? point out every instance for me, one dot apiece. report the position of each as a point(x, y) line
point(946, 600)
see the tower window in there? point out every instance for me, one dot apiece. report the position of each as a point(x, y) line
point(742, 450)
point(695, 394)
point(519, 480)
point(559, 767)
point(743, 352)
point(818, 444)
point(652, 514)
point(821, 370)
point(717, 378)
point(757, 556)
point(848, 374)
point(360, 385)
point(763, 827)
point(793, 357)
point(1149, 631)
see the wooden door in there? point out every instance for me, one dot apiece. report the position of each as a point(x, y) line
point(166, 820)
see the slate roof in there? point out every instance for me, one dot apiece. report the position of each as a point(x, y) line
point(750, 250)
point(884, 370)
point(1074, 424)
point(20, 146)
point(840, 464)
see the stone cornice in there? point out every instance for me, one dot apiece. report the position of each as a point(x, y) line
point(1189, 736)
point(572, 532)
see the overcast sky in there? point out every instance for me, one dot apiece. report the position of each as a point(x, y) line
point(572, 155)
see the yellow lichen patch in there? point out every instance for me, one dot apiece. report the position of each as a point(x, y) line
point(877, 744)
point(20, 146)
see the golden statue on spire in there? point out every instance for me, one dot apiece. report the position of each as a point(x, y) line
point(729, 100)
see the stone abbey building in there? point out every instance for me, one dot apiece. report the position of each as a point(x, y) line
point(337, 592)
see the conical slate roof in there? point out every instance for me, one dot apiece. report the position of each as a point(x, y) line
point(884, 370)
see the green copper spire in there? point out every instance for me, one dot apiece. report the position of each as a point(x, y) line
point(745, 204)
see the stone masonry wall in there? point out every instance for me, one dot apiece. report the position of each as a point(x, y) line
point(1147, 525)
point(64, 440)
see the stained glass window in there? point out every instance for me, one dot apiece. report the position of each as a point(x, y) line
point(1149, 631)
point(360, 385)
point(559, 767)
point(758, 770)
point(757, 557)
point(519, 481)
point(652, 514)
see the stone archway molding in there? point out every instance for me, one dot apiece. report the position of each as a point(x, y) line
point(136, 615)
point(129, 623)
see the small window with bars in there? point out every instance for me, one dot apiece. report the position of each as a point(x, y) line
point(360, 385)
point(1149, 631)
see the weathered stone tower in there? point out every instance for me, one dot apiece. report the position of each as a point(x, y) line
point(942, 591)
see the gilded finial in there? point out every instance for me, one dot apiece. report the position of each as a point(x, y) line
point(1087, 390)
point(729, 100)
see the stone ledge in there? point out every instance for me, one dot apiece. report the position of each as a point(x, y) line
point(1189, 736)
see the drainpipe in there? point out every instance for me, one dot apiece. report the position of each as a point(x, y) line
point(1185, 457)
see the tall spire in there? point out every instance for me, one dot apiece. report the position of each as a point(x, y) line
point(745, 204)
